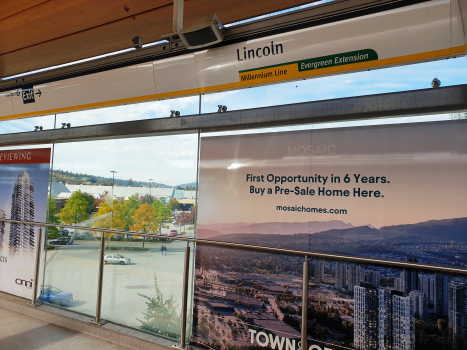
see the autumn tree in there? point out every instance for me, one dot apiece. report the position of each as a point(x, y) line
point(104, 218)
point(124, 213)
point(75, 209)
point(145, 220)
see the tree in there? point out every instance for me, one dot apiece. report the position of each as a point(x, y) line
point(91, 202)
point(185, 218)
point(130, 183)
point(124, 213)
point(145, 220)
point(147, 199)
point(74, 210)
point(173, 204)
point(162, 212)
point(161, 315)
point(52, 218)
point(104, 218)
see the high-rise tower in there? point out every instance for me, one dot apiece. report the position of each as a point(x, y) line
point(341, 275)
point(319, 270)
point(366, 317)
point(457, 315)
point(396, 320)
point(2, 228)
point(22, 237)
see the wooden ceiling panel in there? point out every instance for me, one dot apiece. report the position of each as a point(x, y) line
point(17, 6)
point(61, 31)
point(59, 18)
point(103, 39)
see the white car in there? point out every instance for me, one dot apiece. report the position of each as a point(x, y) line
point(116, 259)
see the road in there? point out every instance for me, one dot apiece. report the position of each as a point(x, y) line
point(74, 268)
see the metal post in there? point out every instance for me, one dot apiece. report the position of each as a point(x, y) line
point(177, 22)
point(186, 273)
point(36, 270)
point(98, 320)
point(305, 305)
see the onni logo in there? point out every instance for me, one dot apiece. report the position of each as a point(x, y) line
point(27, 284)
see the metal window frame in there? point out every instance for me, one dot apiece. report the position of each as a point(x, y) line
point(407, 103)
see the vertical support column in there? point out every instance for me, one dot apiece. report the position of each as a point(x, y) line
point(99, 282)
point(199, 112)
point(186, 273)
point(36, 268)
point(305, 305)
point(177, 24)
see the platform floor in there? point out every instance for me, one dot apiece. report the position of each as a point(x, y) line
point(18, 332)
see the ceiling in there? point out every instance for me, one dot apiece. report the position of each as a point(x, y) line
point(40, 33)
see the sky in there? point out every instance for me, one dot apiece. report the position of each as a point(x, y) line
point(172, 159)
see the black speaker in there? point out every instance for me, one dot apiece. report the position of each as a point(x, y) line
point(202, 33)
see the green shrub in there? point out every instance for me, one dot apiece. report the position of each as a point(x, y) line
point(137, 249)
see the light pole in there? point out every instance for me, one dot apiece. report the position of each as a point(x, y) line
point(150, 186)
point(113, 183)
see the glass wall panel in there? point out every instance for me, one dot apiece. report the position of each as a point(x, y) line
point(71, 271)
point(27, 124)
point(143, 284)
point(394, 79)
point(145, 184)
point(138, 111)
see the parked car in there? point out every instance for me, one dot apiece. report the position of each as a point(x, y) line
point(53, 295)
point(61, 241)
point(63, 232)
point(116, 259)
point(84, 235)
point(173, 233)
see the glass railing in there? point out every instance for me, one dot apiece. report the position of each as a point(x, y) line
point(239, 295)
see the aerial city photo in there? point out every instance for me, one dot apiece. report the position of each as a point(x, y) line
point(240, 293)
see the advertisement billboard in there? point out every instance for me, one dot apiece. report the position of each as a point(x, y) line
point(389, 192)
point(24, 179)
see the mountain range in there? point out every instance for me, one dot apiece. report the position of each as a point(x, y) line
point(447, 230)
point(270, 228)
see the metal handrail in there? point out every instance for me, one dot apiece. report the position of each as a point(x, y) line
point(356, 259)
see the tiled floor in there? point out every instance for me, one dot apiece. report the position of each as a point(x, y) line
point(18, 332)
